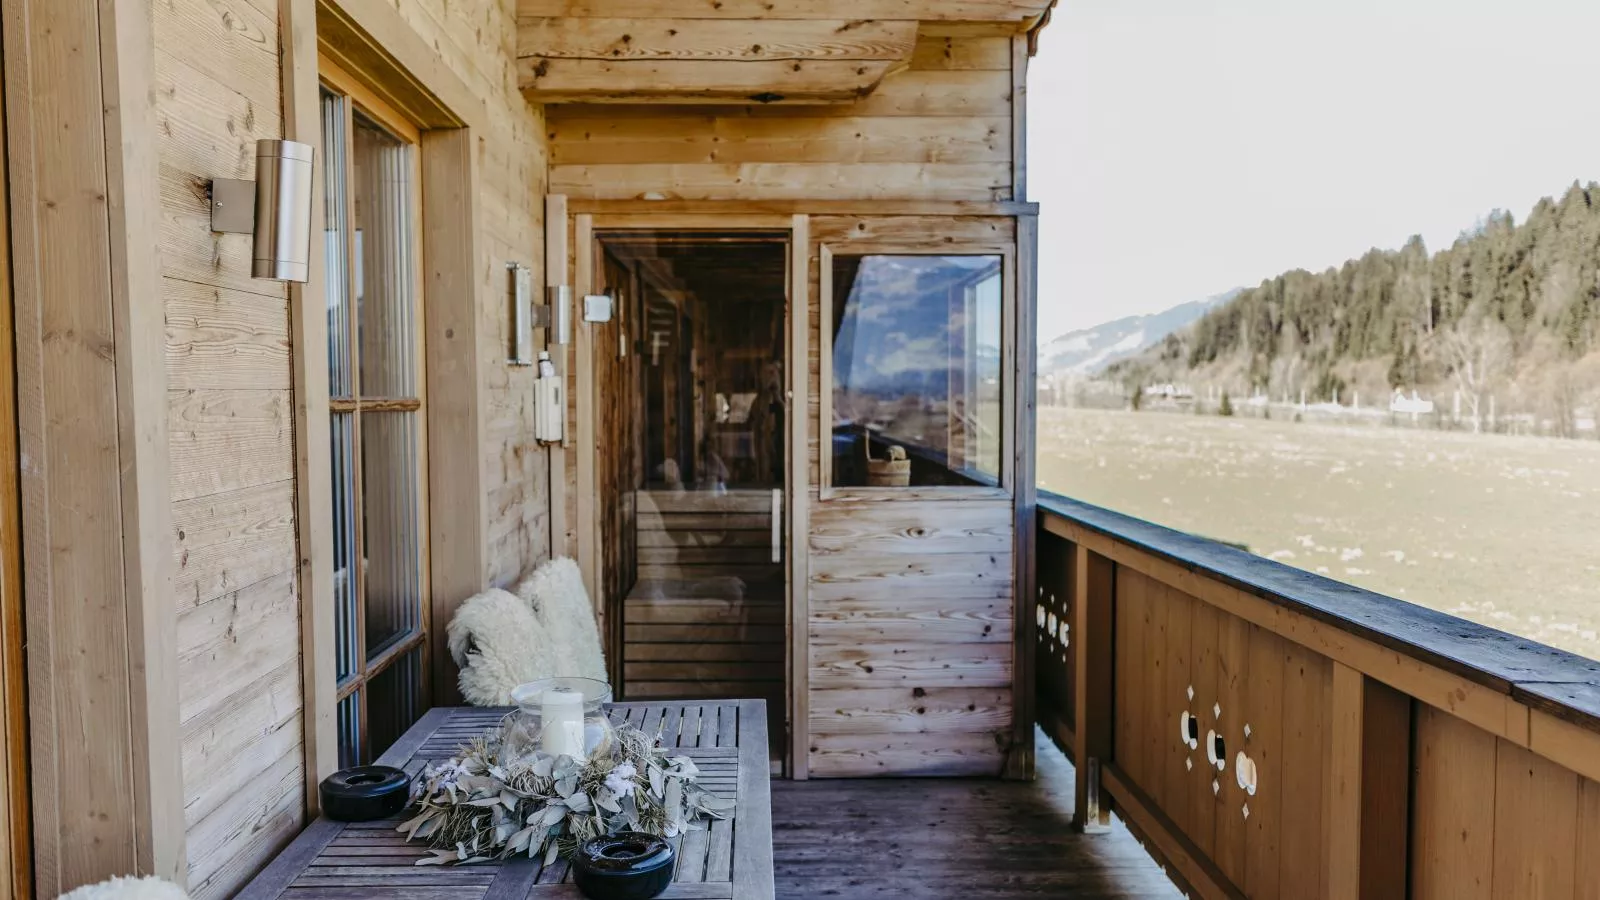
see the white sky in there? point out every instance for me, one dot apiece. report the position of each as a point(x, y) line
point(1184, 147)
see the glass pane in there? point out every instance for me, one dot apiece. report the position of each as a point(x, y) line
point(344, 544)
point(917, 370)
point(349, 717)
point(390, 482)
point(386, 264)
point(394, 701)
point(336, 241)
point(692, 498)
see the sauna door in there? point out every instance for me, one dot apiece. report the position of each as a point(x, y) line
point(692, 418)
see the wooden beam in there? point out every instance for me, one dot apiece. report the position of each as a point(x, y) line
point(1020, 12)
point(582, 385)
point(302, 121)
point(1019, 118)
point(695, 81)
point(1093, 606)
point(557, 273)
point(91, 387)
point(716, 40)
point(1368, 784)
point(802, 207)
point(799, 498)
point(133, 203)
point(1020, 299)
point(458, 560)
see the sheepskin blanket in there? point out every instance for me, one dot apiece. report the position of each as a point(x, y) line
point(150, 888)
point(498, 643)
point(555, 591)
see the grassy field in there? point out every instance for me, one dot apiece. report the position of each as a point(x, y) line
point(1501, 530)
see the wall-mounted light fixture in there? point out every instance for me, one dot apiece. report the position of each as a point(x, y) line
point(275, 208)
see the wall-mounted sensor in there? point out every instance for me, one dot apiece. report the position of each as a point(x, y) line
point(276, 209)
point(597, 308)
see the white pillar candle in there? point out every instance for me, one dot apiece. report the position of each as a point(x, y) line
point(561, 712)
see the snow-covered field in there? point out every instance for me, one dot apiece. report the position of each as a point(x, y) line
point(1500, 530)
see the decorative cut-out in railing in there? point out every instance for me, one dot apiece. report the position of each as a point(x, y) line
point(1216, 750)
point(1189, 730)
point(1244, 771)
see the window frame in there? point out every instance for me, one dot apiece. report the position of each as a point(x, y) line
point(358, 97)
point(1006, 489)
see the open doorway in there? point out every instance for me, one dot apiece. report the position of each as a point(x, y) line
point(692, 462)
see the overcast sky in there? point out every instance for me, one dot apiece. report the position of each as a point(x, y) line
point(1184, 147)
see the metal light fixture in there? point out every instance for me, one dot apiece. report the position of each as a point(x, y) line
point(275, 208)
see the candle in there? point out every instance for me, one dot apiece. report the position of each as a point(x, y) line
point(561, 711)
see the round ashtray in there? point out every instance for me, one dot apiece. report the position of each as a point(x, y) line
point(629, 865)
point(365, 793)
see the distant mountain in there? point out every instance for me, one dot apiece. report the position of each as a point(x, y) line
point(1507, 316)
point(1090, 350)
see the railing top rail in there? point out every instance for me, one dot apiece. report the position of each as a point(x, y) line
point(1563, 684)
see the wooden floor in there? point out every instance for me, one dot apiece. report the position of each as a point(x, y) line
point(951, 838)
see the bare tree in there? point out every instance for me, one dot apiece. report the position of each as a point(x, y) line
point(1479, 353)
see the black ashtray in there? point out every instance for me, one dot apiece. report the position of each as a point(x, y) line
point(365, 793)
point(628, 865)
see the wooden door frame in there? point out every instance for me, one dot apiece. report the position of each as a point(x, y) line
point(16, 846)
point(372, 42)
point(585, 256)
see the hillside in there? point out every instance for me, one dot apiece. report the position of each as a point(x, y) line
point(1089, 350)
point(1509, 311)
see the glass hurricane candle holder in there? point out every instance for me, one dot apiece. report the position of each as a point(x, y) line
point(565, 716)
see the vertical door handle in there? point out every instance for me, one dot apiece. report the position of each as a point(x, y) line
point(777, 525)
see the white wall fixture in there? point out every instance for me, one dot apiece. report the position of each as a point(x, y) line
point(549, 402)
point(275, 209)
point(597, 308)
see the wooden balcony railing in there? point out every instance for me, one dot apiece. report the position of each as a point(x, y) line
point(1343, 744)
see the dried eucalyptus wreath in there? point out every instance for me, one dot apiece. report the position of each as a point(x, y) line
point(502, 796)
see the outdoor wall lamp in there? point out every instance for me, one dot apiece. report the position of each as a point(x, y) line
point(275, 208)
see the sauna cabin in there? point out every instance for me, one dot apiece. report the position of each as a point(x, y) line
point(780, 257)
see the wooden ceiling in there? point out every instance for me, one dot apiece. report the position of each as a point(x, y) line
point(735, 51)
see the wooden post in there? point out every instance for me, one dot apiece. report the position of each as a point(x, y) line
point(1093, 608)
point(308, 313)
point(1368, 785)
point(1025, 521)
point(101, 625)
point(556, 272)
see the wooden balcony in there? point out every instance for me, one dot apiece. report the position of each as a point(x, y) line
point(1343, 744)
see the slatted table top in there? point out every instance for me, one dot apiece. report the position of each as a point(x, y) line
point(730, 859)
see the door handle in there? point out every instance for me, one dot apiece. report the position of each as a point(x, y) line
point(777, 525)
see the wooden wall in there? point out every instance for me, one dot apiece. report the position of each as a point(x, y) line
point(230, 404)
point(232, 449)
point(941, 130)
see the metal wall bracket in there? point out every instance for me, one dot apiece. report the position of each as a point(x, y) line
point(560, 297)
point(233, 205)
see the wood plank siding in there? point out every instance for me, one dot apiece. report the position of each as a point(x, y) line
point(230, 405)
point(942, 130)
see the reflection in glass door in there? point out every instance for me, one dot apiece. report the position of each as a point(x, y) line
point(692, 422)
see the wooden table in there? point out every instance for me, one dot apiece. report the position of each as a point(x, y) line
point(731, 859)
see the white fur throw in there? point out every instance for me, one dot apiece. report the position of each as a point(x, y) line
point(150, 888)
point(555, 591)
point(498, 642)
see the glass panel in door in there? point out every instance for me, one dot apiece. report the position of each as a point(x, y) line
point(692, 416)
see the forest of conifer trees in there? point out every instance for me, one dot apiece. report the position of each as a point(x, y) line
point(1510, 311)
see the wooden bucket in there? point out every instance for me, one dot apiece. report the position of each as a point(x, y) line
point(892, 472)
